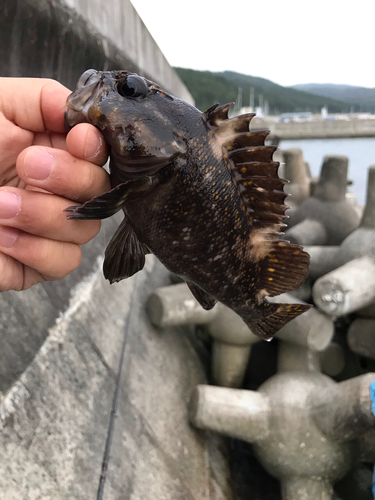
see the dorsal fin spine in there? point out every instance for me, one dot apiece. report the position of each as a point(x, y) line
point(253, 171)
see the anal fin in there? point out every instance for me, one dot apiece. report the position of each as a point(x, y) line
point(266, 326)
point(205, 300)
point(124, 255)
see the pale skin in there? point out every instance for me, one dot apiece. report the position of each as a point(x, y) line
point(43, 170)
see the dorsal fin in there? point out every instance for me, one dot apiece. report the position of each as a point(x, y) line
point(282, 266)
point(217, 114)
point(211, 109)
point(243, 139)
point(253, 170)
point(238, 124)
point(252, 153)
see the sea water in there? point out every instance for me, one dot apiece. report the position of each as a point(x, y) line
point(360, 151)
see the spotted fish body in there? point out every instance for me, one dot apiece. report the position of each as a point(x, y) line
point(199, 190)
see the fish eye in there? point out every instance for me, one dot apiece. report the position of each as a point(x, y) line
point(132, 86)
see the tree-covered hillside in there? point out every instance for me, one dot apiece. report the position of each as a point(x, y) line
point(208, 88)
point(362, 98)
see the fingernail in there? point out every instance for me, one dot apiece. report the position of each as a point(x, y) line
point(38, 164)
point(8, 236)
point(9, 205)
point(93, 143)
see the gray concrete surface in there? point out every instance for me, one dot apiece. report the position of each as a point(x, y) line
point(51, 39)
point(318, 129)
point(118, 21)
point(53, 420)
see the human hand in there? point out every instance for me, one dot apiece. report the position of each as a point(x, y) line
point(42, 170)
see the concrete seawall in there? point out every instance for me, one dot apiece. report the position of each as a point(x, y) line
point(119, 22)
point(318, 129)
point(54, 417)
point(49, 38)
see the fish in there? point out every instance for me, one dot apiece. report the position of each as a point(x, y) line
point(198, 189)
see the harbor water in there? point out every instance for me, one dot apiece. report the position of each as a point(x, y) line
point(359, 150)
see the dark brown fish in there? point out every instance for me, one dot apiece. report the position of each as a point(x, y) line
point(199, 190)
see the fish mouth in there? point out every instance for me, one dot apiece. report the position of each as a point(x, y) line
point(79, 101)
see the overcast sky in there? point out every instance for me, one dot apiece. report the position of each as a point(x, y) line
point(286, 41)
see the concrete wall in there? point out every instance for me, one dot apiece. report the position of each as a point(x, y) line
point(51, 39)
point(318, 129)
point(60, 341)
point(120, 23)
point(54, 417)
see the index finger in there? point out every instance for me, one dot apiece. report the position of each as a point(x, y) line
point(35, 104)
point(58, 172)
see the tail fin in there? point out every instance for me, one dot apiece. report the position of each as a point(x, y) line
point(280, 314)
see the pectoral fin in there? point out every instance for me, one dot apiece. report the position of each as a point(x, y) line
point(205, 300)
point(102, 206)
point(124, 255)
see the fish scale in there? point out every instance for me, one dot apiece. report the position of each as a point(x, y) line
point(199, 190)
point(204, 215)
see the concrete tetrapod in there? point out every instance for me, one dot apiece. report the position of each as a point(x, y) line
point(361, 337)
point(323, 259)
point(295, 172)
point(346, 289)
point(359, 243)
point(303, 425)
point(175, 305)
point(325, 218)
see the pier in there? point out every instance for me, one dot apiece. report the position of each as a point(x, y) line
point(317, 129)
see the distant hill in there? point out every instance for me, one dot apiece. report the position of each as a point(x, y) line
point(361, 97)
point(208, 88)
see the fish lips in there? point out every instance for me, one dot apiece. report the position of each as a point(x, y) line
point(72, 117)
point(79, 102)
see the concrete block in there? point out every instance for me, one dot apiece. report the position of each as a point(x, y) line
point(323, 259)
point(344, 411)
point(233, 412)
point(296, 358)
point(295, 172)
point(308, 232)
point(347, 288)
point(304, 427)
point(171, 306)
point(325, 218)
point(175, 305)
point(313, 329)
point(368, 219)
point(290, 443)
point(360, 243)
point(332, 360)
point(361, 337)
point(333, 179)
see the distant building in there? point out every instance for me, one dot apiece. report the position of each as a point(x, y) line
point(324, 113)
point(306, 116)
